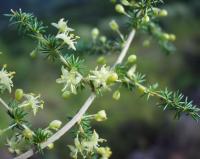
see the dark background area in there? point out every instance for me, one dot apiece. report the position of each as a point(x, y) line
point(135, 129)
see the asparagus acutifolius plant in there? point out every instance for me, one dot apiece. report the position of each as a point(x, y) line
point(142, 15)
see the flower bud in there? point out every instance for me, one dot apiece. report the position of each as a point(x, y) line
point(103, 39)
point(66, 94)
point(18, 94)
point(156, 11)
point(27, 133)
point(146, 19)
point(141, 89)
point(113, 1)
point(166, 36)
point(105, 152)
point(132, 59)
point(116, 95)
point(55, 125)
point(120, 9)
point(113, 25)
point(125, 2)
point(33, 54)
point(101, 116)
point(163, 13)
point(50, 146)
point(172, 37)
point(101, 60)
point(112, 78)
point(146, 43)
point(95, 33)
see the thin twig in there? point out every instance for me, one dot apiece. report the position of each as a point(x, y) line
point(125, 49)
point(83, 109)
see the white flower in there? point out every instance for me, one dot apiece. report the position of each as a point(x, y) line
point(13, 145)
point(131, 72)
point(32, 101)
point(85, 146)
point(100, 77)
point(70, 79)
point(93, 142)
point(69, 39)
point(6, 79)
point(76, 148)
point(64, 33)
point(73, 151)
point(62, 26)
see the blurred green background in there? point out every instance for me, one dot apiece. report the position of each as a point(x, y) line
point(135, 129)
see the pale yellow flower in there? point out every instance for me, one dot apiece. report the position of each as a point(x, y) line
point(70, 79)
point(101, 116)
point(100, 77)
point(33, 101)
point(93, 142)
point(105, 152)
point(6, 79)
point(62, 26)
point(69, 39)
